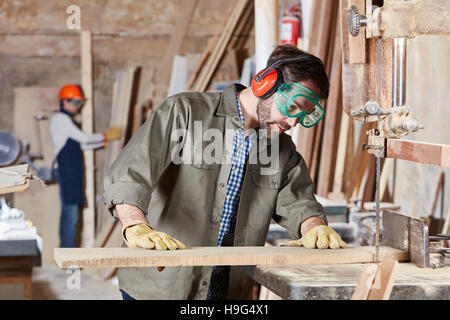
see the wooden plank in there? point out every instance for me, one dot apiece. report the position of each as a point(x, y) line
point(340, 158)
point(349, 157)
point(211, 44)
point(217, 256)
point(219, 50)
point(384, 280)
point(436, 194)
point(180, 28)
point(376, 283)
point(120, 116)
point(354, 47)
point(87, 125)
point(14, 178)
point(417, 151)
point(367, 188)
point(365, 282)
point(384, 176)
point(359, 162)
point(331, 119)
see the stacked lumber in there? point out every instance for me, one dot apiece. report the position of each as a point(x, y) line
point(121, 115)
point(238, 20)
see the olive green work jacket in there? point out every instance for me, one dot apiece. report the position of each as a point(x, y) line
point(186, 200)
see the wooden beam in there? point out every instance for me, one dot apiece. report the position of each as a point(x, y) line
point(218, 256)
point(340, 158)
point(87, 125)
point(212, 43)
point(384, 176)
point(179, 30)
point(384, 280)
point(331, 119)
point(416, 151)
point(354, 48)
point(219, 50)
point(365, 282)
point(376, 283)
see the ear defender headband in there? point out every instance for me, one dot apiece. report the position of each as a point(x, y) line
point(268, 80)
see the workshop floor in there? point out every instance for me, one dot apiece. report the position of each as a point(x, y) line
point(51, 283)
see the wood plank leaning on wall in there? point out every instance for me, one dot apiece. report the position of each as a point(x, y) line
point(87, 125)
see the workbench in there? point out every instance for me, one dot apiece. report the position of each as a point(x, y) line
point(337, 282)
point(20, 251)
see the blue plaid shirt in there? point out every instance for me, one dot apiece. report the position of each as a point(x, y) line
point(241, 148)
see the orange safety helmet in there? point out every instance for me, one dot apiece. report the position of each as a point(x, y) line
point(71, 91)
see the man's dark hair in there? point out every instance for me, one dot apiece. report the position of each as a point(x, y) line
point(310, 69)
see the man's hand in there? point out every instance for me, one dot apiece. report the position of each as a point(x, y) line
point(317, 235)
point(142, 236)
point(138, 234)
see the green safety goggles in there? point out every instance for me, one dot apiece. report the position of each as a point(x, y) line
point(293, 100)
point(77, 102)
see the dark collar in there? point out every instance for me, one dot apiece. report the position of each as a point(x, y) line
point(227, 104)
point(66, 112)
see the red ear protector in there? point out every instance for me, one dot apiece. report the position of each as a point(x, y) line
point(268, 80)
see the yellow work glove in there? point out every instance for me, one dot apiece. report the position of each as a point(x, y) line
point(112, 133)
point(321, 237)
point(142, 236)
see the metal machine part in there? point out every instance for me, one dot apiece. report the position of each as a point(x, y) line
point(355, 21)
point(411, 234)
point(10, 149)
point(399, 72)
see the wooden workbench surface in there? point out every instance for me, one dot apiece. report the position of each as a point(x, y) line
point(215, 256)
point(336, 282)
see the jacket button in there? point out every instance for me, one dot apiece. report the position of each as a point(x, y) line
point(221, 184)
point(204, 282)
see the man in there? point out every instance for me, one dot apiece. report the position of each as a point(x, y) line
point(163, 203)
point(68, 141)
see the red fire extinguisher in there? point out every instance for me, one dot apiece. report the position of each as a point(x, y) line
point(291, 25)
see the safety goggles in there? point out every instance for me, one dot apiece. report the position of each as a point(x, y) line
point(295, 100)
point(77, 102)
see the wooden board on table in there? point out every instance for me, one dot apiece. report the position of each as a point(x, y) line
point(217, 256)
point(14, 179)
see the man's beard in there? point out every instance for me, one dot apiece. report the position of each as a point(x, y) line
point(263, 111)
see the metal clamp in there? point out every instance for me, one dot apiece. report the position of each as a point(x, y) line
point(371, 108)
point(376, 143)
point(411, 234)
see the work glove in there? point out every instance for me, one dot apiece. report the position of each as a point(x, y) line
point(321, 237)
point(142, 236)
point(112, 133)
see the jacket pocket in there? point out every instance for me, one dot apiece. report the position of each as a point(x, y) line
point(272, 181)
point(204, 166)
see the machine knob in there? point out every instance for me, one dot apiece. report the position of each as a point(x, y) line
point(355, 21)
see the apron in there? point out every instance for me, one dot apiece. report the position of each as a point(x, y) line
point(70, 171)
